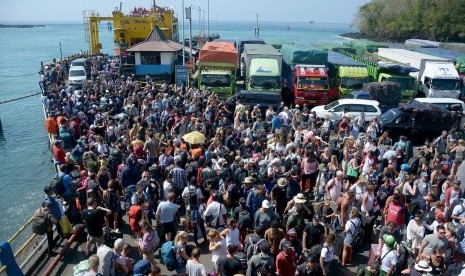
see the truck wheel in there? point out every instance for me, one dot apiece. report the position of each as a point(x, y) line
point(409, 146)
point(420, 95)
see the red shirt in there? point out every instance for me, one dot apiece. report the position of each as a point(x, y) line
point(343, 124)
point(59, 155)
point(285, 263)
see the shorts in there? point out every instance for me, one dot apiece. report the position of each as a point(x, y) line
point(349, 240)
point(115, 208)
point(168, 227)
point(148, 254)
point(97, 240)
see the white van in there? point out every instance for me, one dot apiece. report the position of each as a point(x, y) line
point(447, 103)
point(77, 76)
point(78, 62)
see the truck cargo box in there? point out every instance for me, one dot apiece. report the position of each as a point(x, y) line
point(222, 53)
point(363, 46)
point(300, 54)
point(337, 59)
point(387, 93)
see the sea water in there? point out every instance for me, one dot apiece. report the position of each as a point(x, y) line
point(25, 157)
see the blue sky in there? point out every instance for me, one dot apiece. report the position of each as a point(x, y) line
point(334, 11)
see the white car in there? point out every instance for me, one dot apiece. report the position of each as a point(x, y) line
point(352, 107)
point(78, 62)
point(77, 76)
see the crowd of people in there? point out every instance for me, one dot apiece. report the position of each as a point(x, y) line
point(266, 191)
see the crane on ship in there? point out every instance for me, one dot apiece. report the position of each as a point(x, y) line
point(131, 28)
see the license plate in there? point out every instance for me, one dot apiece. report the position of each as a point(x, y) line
point(311, 101)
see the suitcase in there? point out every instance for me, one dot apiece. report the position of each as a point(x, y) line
point(373, 251)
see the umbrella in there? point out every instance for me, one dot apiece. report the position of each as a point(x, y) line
point(194, 137)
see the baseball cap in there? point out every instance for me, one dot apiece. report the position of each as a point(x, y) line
point(424, 174)
point(287, 245)
point(265, 204)
point(119, 243)
point(389, 239)
point(316, 217)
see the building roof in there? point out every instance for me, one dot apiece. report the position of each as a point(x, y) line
point(155, 42)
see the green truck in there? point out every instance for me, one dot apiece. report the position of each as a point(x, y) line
point(262, 65)
point(217, 68)
point(380, 69)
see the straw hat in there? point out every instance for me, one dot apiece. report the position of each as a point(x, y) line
point(282, 182)
point(300, 198)
point(423, 266)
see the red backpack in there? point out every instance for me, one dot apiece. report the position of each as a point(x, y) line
point(394, 213)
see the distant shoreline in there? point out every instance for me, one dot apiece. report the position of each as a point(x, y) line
point(20, 26)
point(358, 35)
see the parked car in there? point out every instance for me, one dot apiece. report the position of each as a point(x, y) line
point(453, 105)
point(417, 120)
point(77, 76)
point(352, 107)
point(358, 94)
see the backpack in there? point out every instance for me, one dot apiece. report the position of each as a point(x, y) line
point(191, 199)
point(394, 213)
point(315, 252)
point(253, 248)
point(39, 223)
point(358, 235)
point(413, 164)
point(454, 269)
point(57, 185)
point(245, 220)
point(130, 190)
point(451, 209)
point(111, 200)
point(168, 256)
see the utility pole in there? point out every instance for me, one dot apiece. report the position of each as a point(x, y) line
point(183, 39)
point(208, 19)
point(61, 53)
point(189, 16)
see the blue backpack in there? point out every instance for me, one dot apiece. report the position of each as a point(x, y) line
point(168, 256)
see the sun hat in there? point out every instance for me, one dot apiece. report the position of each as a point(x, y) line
point(248, 179)
point(423, 266)
point(300, 198)
point(361, 179)
point(265, 204)
point(389, 239)
point(282, 182)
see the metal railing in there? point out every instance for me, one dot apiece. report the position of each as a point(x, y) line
point(25, 226)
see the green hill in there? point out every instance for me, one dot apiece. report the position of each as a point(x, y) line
point(397, 20)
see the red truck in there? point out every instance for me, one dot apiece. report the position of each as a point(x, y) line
point(305, 70)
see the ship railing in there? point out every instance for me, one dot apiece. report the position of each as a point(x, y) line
point(21, 230)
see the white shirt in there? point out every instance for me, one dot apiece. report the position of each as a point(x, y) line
point(220, 251)
point(351, 225)
point(214, 210)
point(166, 188)
point(388, 259)
point(327, 253)
point(335, 190)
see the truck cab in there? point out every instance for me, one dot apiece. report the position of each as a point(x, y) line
point(264, 75)
point(406, 82)
point(222, 82)
point(440, 80)
point(310, 85)
point(351, 78)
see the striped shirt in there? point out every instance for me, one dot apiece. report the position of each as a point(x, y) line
point(207, 174)
point(179, 177)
